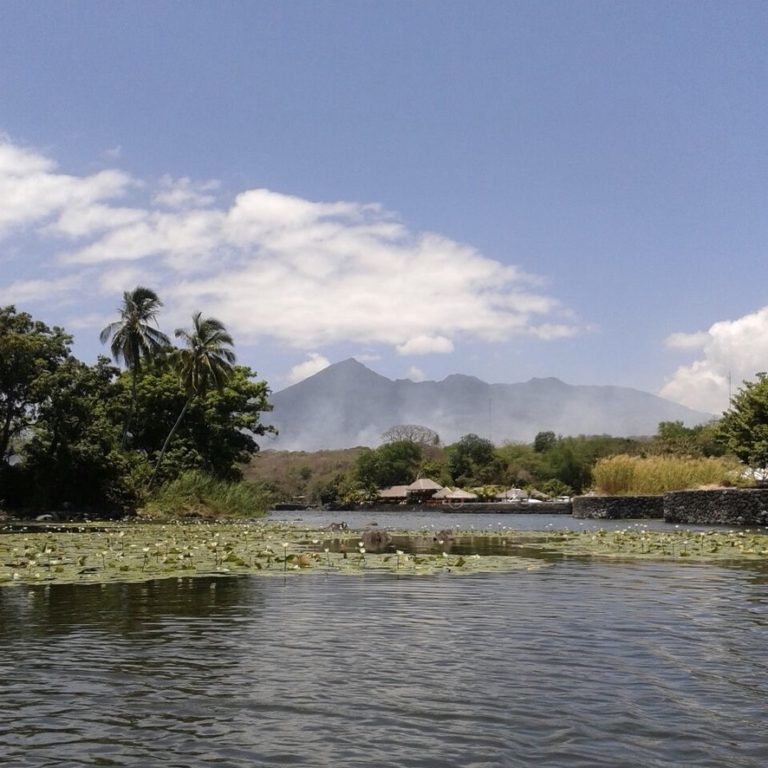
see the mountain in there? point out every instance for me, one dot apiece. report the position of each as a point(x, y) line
point(348, 404)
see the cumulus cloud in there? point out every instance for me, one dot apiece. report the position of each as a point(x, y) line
point(302, 272)
point(314, 363)
point(32, 190)
point(687, 340)
point(730, 352)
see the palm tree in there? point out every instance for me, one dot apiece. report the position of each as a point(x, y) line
point(206, 361)
point(134, 338)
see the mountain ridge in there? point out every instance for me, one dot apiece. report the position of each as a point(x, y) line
point(348, 404)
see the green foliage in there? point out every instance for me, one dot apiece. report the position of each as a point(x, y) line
point(217, 434)
point(134, 338)
point(673, 437)
point(196, 494)
point(343, 490)
point(567, 460)
point(744, 426)
point(205, 362)
point(555, 487)
point(64, 423)
point(544, 441)
point(73, 455)
point(473, 462)
point(395, 463)
point(29, 351)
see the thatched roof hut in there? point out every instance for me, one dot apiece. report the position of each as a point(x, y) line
point(424, 484)
point(461, 495)
point(395, 493)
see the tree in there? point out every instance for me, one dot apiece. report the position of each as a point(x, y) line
point(413, 433)
point(73, 454)
point(207, 361)
point(29, 350)
point(544, 441)
point(702, 440)
point(219, 430)
point(390, 464)
point(473, 461)
point(134, 338)
point(744, 426)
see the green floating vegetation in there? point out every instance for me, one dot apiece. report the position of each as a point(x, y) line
point(641, 543)
point(126, 552)
point(140, 552)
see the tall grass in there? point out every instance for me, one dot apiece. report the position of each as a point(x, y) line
point(196, 494)
point(635, 475)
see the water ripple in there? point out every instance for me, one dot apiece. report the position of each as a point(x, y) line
point(580, 665)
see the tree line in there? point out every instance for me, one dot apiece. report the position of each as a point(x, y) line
point(551, 464)
point(105, 436)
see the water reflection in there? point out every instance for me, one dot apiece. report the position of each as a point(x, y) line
point(122, 609)
point(382, 542)
point(580, 665)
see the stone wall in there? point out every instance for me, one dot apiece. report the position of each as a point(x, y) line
point(618, 507)
point(723, 506)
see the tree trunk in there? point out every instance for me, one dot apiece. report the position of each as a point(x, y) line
point(132, 410)
point(168, 440)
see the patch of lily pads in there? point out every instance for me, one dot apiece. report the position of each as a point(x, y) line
point(637, 542)
point(124, 552)
point(141, 552)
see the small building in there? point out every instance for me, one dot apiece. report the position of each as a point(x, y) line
point(423, 489)
point(397, 494)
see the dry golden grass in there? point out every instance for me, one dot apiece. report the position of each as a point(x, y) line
point(625, 475)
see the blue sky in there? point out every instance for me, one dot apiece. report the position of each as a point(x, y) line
point(503, 189)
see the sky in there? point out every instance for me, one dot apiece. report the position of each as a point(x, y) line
point(506, 189)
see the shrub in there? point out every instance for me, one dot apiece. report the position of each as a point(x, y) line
point(196, 494)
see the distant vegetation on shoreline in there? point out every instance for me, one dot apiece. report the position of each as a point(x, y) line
point(676, 457)
point(174, 433)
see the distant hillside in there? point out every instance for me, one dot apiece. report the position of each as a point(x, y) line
point(348, 404)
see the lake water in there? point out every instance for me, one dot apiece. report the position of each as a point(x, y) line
point(579, 663)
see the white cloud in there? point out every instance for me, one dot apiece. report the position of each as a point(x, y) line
point(21, 292)
point(425, 345)
point(313, 364)
point(31, 190)
point(416, 374)
point(185, 193)
point(731, 351)
point(304, 273)
point(687, 340)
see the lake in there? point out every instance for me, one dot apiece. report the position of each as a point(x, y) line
point(579, 663)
